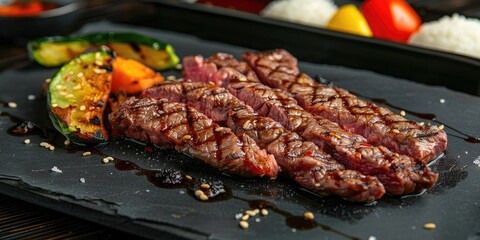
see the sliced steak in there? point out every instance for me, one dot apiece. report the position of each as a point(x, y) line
point(302, 160)
point(175, 125)
point(399, 173)
point(378, 125)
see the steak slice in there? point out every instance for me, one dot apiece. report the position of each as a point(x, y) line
point(302, 160)
point(378, 125)
point(399, 173)
point(174, 125)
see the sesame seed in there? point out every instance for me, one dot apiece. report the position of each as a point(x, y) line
point(70, 95)
point(246, 125)
point(205, 186)
point(82, 180)
point(441, 127)
point(44, 144)
point(87, 153)
point(171, 77)
point(179, 66)
point(77, 87)
point(67, 142)
point(250, 213)
point(12, 105)
point(244, 224)
point(242, 79)
point(99, 71)
point(264, 212)
point(51, 147)
point(56, 169)
point(335, 135)
point(31, 97)
point(26, 141)
point(430, 226)
point(187, 137)
point(308, 215)
point(82, 108)
point(442, 100)
point(395, 131)
point(421, 123)
point(256, 211)
point(402, 113)
point(396, 155)
point(188, 177)
point(203, 197)
point(245, 217)
point(199, 193)
point(80, 74)
point(98, 63)
point(107, 159)
point(48, 80)
point(59, 87)
point(54, 105)
point(218, 129)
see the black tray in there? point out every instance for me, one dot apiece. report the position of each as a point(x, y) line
point(128, 202)
point(319, 45)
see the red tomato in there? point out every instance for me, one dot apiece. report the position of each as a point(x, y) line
point(391, 19)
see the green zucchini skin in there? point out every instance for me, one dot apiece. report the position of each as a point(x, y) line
point(77, 97)
point(55, 51)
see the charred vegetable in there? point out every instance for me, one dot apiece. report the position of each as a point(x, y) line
point(77, 96)
point(55, 51)
point(132, 76)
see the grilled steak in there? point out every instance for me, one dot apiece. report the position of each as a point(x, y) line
point(400, 174)
point(175, 125)
point(301, 160)
point(378, 125)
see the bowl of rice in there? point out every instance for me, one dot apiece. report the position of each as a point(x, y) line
point(315, 13)
point(456, 34)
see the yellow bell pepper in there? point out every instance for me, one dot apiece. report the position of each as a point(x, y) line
point(350, 20)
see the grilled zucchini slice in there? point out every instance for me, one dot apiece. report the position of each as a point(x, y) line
point(77, 97)
point(55, 51)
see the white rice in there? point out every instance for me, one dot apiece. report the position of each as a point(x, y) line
point(456, 34)
point(310, 12)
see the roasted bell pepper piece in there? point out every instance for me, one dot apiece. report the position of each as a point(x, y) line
point(77, 97)
point(132, 76)
point(350, 20)
point(391, 19)
point(55, 51)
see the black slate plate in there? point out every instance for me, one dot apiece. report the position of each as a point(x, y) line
point(129, 202)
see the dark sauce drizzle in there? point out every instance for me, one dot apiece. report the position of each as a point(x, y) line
point(171, 178)
point(293, 221)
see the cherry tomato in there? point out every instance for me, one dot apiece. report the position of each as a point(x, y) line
point(391, 19)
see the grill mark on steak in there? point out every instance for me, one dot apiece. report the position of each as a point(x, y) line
point(302, 160)
point(378, 125)
point(175, 125)
point(399, 173)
